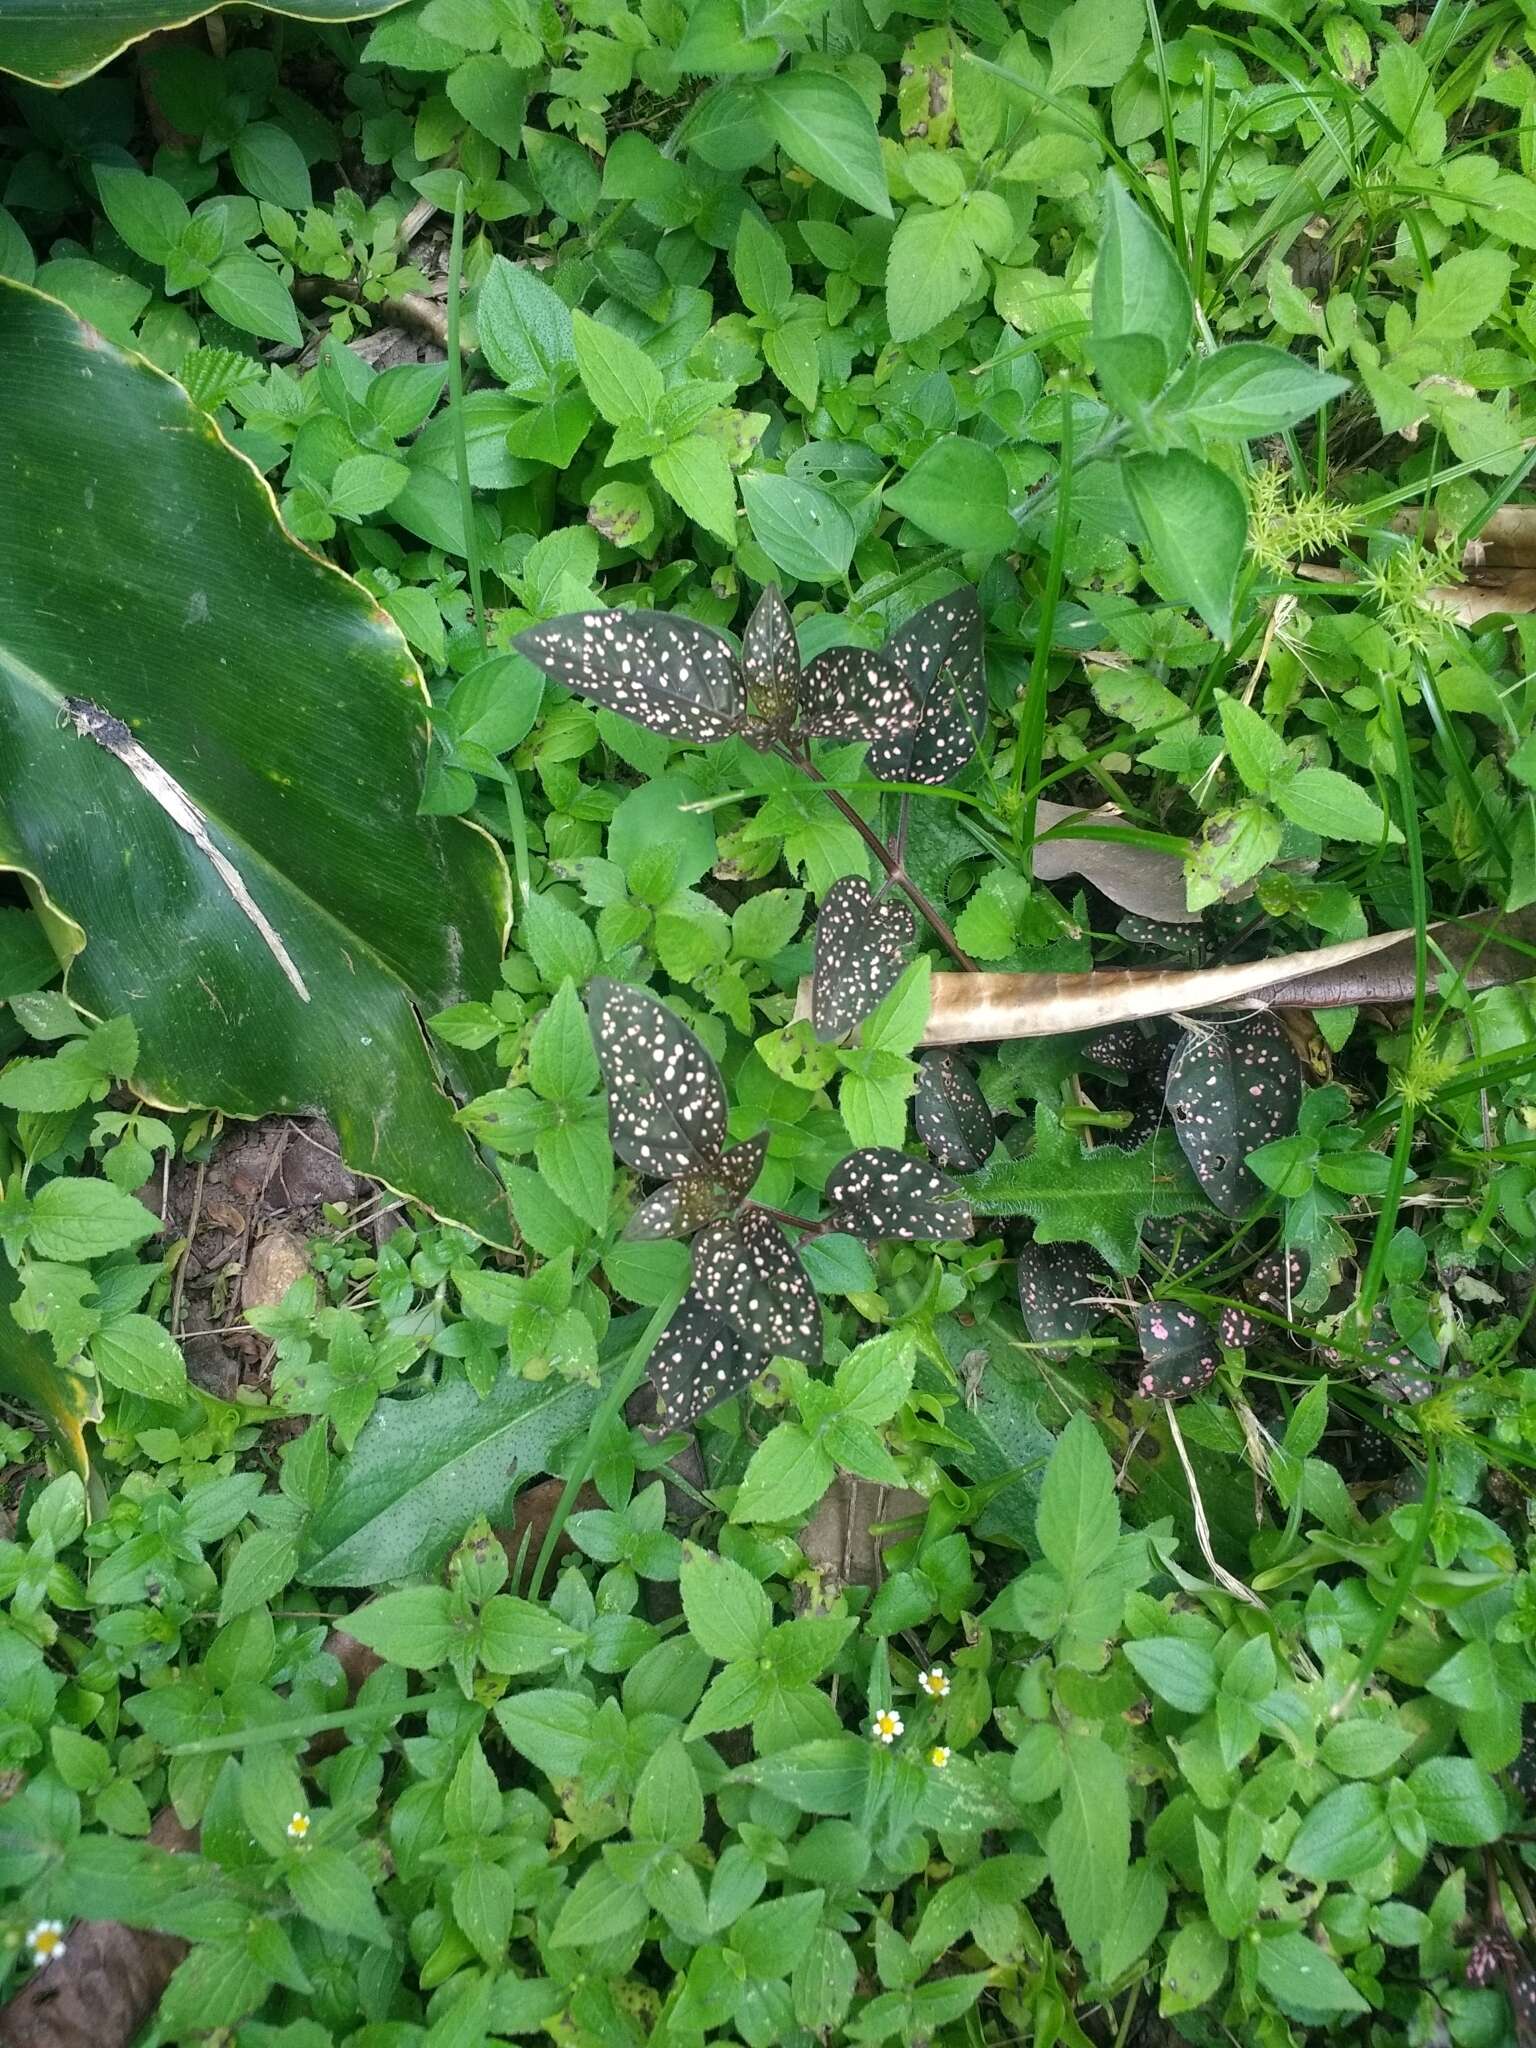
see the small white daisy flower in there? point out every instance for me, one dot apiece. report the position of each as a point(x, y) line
point(935, 1682)
point(46, 1941)
point(298, 1827)
point(886, 1726)
point(938, 1756)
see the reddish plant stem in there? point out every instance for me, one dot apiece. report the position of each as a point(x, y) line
point(892, 863)
point(807, 1224)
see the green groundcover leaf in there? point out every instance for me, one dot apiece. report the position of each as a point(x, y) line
point(59, 42)
point(270, 732)
point(423, 1469)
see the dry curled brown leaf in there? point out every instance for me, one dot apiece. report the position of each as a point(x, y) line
point(1138, 878)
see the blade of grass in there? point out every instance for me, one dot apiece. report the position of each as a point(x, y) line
point(456, 411)
point(1392, 1195)
point(1030, 744)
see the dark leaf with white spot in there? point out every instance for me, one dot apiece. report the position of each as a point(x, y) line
point(662, 670)
point(1059, 1288)
point(881, 1192)
point(666, 1101)
point(940, 654)
point(1122, 1049)
point(770, 662)
point(747, 1272)
point(1179, 941)
point(1522, 2004)
point(860, 948)
point(848, 693)
point(1179, 1349)
point(951, 1113)
point(701, 1360)
point(1232, 1089)
point(705, 1195)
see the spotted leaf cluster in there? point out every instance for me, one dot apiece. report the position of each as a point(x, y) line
point(677, 677)
point(750, 1299)
point(919, 702)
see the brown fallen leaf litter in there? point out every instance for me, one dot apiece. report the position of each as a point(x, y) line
point(246, 1215)
point(108, 1981)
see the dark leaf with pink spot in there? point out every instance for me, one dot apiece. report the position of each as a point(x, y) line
point(1179, 1349)
point(1276, 1282)
point(1236, 1328)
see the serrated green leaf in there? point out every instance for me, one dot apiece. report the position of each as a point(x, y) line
point(1100, 1197)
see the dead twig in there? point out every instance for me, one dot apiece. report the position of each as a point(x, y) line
point(409, 309)
point(181, 1263)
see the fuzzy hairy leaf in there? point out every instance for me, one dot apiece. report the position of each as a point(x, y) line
point(1100, 1197)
